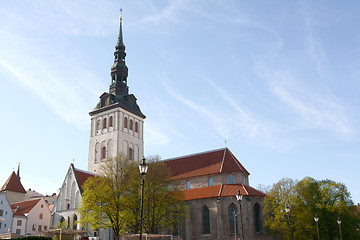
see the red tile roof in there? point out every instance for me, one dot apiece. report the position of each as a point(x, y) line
point(224, 190)
point(24, 207)
point(82, 176)
point(206, 163)
point(13, 184)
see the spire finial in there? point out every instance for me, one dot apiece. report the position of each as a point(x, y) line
point(18, 171)
point(120, 14)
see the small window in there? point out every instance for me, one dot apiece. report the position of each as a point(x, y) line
point(231, 179)
point(104, 123)
point(188, 185)
point(19, 222)
point(18, 231)
point(205, 220)
point(39, 228)
point(211, 182)
point(1, 212)
point(103, 152)
point(125, 122)
point(42, 206)
point(131, 154)
point(98, 125)
point(45, 228)
point(136, 127)
point(131, 124)
point(111, 121)
point(34, 227)
point(75, 222)
point(40, 216)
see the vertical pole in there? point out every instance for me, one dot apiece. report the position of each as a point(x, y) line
point(241, 221)
point(99, 219)
point(291, 234)
point(340, 231)
point(142, 205)
point(235, 223)
point(317, 229)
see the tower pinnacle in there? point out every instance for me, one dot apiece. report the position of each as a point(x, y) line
point(119, 70)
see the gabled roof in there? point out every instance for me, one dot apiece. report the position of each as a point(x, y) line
point(206, 163)
point(81, 176)
point(223, 190)
point(24, 207)
point(13, 184)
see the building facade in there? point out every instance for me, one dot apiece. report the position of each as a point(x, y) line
point(117, 123)
point(6, 214)
point(210, 182)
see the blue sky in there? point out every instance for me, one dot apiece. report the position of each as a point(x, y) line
point(277, 80)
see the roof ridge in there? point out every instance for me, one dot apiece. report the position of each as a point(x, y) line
point(193, 154)
point(222, 163)
point(221, 188)
point(245, 189)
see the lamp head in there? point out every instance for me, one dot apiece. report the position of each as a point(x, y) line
point(143, 167)
point(287, 208)
point(239, 196)
point(316, 219)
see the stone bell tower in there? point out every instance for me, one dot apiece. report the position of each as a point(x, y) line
point(117, 123)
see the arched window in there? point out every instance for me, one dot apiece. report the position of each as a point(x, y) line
point(97, 152)
point(136, 127)
point(231, 179)
point(98, 125)
point(75, 222)
point(205, 226)
point(62, 220)
point(188, 185)
point(233, 222)
point(104, 123)
point(257, 217)
point(111, 121)
point(211, 182)
point(131, 153)
point(131, 124)
point(103, 152)
point(125, 122)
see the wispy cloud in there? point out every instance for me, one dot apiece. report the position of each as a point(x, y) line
point(166, 14)
point(315, 49)
point(315, 110)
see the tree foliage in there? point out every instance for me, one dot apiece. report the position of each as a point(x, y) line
point(119, 192)
point(327, 199)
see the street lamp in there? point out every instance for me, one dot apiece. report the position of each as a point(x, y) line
point(239, 197)
point(287, 209)
point(316, 219)
point(100, 206)
point(339, 222)
point(143, 169)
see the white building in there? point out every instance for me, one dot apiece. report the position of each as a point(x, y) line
point(6, 214)
point(69, 198)
point(117, 123)
point(31, 217)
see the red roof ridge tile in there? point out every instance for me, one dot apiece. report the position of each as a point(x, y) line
point(193, 154)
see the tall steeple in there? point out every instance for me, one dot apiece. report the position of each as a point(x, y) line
point(119, 70)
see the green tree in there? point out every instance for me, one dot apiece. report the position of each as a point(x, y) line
point(119, 188)
point(326, 198)
point(107, 195)
point(163, 205)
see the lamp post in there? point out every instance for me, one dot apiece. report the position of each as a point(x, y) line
point(100, 206)
point(339, 222)
point(287, 209)
point(143, 167)
point(239, 197)
point(234, 224)
point(316, 219)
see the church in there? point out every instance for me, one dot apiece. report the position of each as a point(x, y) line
point(210, 180)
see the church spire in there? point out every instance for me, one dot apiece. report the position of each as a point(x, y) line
point(18, 171)
point(119, 70)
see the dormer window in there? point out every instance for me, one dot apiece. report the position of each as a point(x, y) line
point(188, 185)
point(211, 182)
